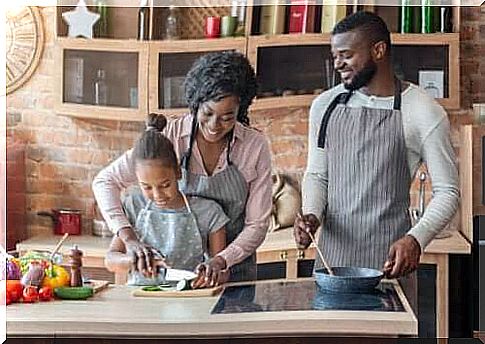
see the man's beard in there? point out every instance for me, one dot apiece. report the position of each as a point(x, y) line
point(363, 77)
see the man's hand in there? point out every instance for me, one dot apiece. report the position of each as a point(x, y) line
point(303, 225)
point(403, 258)
point(211, 273)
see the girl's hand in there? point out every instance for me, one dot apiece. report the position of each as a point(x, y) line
point(211, 273)
point(144, 258)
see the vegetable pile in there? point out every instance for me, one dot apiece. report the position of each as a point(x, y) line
point(32, 278)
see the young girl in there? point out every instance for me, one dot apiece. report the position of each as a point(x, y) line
point(176, 231)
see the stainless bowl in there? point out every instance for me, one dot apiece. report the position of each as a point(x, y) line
point(348, 279)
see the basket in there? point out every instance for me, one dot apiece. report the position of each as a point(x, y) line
point(193, 18)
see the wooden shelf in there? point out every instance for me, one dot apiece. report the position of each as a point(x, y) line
point(283, 101)
point(304, 100)
point(324, 38)
point(197, 45)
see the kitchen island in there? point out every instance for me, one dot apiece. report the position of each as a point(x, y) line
point(264, 313)
point(279, 247)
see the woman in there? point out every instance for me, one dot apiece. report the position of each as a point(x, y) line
point(221, 157)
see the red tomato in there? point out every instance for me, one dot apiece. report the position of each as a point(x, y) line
point(30, 294)
point(8, 300)
point(45, 294)
point(14, 288)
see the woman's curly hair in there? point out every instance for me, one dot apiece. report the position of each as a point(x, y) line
point(218, 75)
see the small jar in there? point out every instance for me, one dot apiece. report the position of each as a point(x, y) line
point(172, 31)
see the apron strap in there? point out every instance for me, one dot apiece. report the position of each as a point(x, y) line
point(186, 202)
point(148, 205)
point(397, 94)
point(342, 98)
point(229, 139)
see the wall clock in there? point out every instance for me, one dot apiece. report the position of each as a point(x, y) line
point(24, 44)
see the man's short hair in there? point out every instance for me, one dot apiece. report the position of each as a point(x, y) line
point(373, 27)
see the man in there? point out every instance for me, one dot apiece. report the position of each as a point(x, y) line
point(367, 138)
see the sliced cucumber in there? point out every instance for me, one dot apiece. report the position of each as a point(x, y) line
point(183, 285)
point(74, 293)
point(152, 288)
point(160, 287)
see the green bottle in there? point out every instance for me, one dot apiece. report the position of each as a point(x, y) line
point(101, 26)
point(431, 17)
point(417, 19)
point(406, 18)
point(410, 17)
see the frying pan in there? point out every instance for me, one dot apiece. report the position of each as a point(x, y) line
point(348, 279)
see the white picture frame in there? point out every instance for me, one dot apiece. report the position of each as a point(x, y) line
point(432, 82)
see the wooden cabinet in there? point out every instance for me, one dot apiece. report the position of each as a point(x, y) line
point(472, 173)
point(102, 79)
point(292, 69)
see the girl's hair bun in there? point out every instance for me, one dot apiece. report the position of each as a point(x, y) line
point(156, 122)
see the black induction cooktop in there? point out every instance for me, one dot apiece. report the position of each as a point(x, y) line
point(303, 296)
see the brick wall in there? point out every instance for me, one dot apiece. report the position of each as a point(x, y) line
point(63, 154)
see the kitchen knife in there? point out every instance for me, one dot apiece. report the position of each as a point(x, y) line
point(178, 275)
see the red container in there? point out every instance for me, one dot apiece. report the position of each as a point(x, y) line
point(65, 220)
point(212, 27)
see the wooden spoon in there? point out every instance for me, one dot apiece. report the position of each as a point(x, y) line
point(58, 246)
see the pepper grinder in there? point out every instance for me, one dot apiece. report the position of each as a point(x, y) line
point(76, 263)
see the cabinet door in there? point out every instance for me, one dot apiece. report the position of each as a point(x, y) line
point(295, 70)
point(169, 64)
point(431, 71)
point(105, 79)
point(291, 69)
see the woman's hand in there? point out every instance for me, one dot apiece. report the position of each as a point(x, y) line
point(211, 273)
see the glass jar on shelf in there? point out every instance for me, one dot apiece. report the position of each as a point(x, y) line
point(100, 88)
point(172, 30)
point(143, 21)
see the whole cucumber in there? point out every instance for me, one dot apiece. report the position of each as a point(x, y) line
point(74, 293)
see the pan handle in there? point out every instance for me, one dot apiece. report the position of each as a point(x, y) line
point(51, 215)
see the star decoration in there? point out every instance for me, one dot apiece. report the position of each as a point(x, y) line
point(80, 21)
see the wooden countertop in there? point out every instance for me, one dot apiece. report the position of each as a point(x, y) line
point(115, 312)
point(93, 246)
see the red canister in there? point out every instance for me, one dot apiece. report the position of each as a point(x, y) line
point(65, 220)
point(212, 27)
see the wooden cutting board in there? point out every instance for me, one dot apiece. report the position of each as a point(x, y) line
point(206, 292)
point(97, 285)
